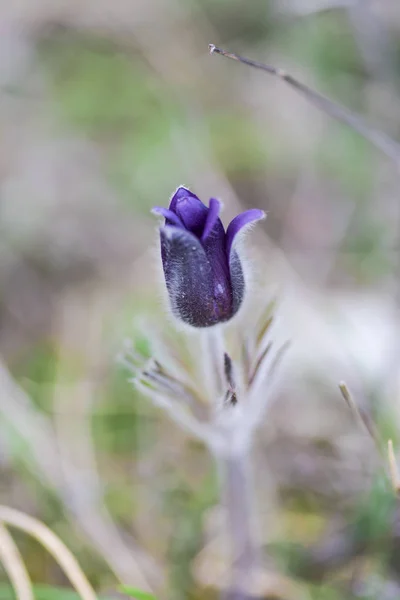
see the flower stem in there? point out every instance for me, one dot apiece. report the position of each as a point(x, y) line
point(237, 496)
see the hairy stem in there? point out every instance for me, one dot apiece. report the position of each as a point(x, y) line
point(237, 496)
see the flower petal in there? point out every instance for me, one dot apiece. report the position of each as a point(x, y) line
point(170, 217)
point(239, 223)
point(237, 280)
point(214, 247)
point(181, 192)
point(213, 241)
point(188, 276)
point(212, 218)
point(203, 272)
point(192, 212)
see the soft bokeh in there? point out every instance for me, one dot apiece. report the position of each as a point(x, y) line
point(106, 106)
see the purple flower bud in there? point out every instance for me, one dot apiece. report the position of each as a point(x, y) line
point(203, 272)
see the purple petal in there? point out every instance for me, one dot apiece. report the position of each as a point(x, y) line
point(192, 212)
point(239, 223)
point(237, 280)
point(181, 192)
point(188, 277)
point(212, 218)
point(213, 242)
point(170, 217)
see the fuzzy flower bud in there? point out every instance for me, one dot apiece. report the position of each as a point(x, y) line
point(203, 272)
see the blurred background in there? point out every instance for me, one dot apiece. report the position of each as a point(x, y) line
point(105, 108)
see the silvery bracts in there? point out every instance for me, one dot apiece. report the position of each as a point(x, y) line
point(217, 386)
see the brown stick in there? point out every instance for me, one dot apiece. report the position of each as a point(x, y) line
point(380, 140)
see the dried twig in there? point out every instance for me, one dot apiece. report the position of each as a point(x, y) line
point(380, 140)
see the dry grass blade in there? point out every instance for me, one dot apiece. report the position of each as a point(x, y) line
point(264, 330)
point(359, 415)
point(14, 566)
point(380, 140)
point(278, 357)
point(17, 411)
point(259, 362)
point(55, 547)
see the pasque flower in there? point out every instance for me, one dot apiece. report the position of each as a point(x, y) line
point(203, 272)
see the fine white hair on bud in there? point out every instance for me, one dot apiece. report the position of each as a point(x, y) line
point(202, 268)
